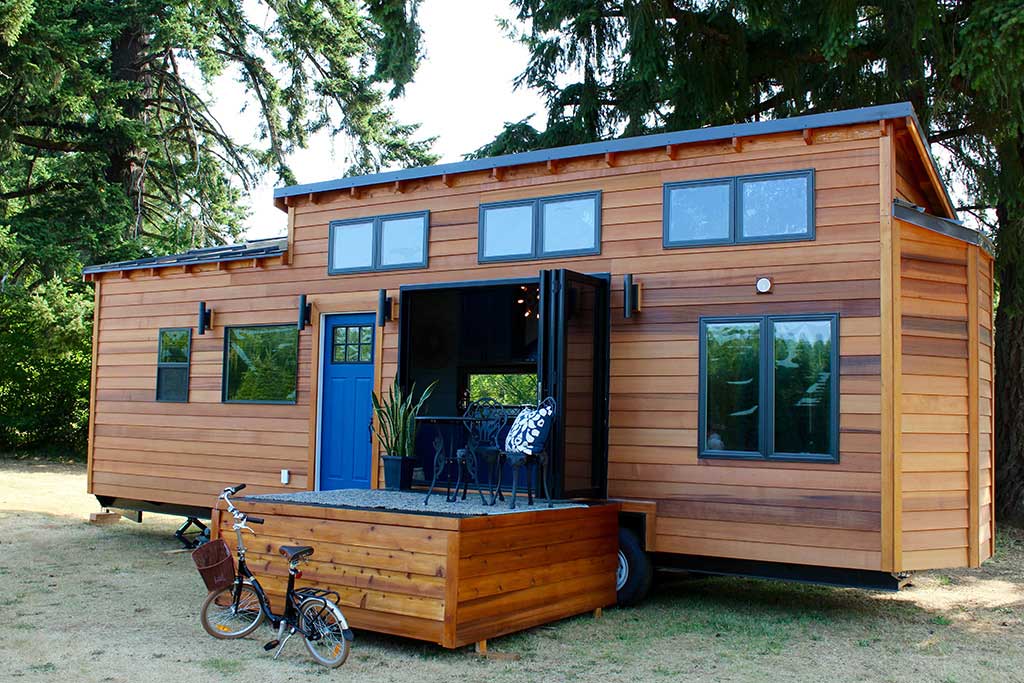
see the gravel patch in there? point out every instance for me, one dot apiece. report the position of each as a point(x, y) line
point(405, 501)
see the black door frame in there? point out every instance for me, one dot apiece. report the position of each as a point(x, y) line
point(552, 367)
point(551, 358)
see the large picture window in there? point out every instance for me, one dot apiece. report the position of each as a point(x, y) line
point(261, 364)
point(174, 347)
point(380, 243)
point(769, 388)
point(771, 207)
point(566, 225)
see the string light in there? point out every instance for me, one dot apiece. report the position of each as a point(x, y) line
point(529, 298)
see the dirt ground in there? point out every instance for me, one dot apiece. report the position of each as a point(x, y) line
point(85, 603)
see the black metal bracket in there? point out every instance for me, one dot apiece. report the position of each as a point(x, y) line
point(383, 307)
point(205, 318)
point(201, 534)
point(305, 313)
point(631, 296)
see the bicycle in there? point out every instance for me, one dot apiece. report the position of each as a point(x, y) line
point(238, 609)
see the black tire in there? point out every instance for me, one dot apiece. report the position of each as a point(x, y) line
point(324, 618)
point(634, 563)
point(223, 618)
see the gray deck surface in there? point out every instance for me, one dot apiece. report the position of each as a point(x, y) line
point(406, 501)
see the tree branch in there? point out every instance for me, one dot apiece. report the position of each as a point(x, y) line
point(953, 133)
point(52, 145)
point(35, 189)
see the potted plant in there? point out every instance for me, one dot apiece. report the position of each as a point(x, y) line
point(396, 429)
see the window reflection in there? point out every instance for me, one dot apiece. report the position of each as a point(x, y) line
point(733, 386)
point(803, 386)
point(774, 206)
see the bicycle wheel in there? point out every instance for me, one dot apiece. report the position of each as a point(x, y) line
point(323, 618)
point(223, 618)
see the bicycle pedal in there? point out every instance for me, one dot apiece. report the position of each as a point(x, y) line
point(271, 645)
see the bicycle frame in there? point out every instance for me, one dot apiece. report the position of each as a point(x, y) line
point(290, 615)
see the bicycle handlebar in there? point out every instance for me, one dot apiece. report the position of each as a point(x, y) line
point(254, 520)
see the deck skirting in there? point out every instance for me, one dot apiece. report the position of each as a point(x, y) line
point(448, 580)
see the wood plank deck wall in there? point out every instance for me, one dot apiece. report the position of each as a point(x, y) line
point(450, 581)
point(820, 514)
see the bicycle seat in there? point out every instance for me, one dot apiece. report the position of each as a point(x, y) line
point(296, 552)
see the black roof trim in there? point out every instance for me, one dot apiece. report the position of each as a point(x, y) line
point(911, 213)
point(255, 249)
point(836, 118)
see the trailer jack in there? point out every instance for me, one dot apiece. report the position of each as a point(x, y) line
point(194, 539)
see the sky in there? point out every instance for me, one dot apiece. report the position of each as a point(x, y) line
point(462, 94)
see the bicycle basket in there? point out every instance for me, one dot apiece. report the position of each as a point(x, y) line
point(215, 564)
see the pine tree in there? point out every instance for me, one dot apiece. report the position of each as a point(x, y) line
point(109, 148)
point(610, 68)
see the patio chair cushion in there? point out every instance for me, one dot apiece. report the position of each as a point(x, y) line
point(529, 432)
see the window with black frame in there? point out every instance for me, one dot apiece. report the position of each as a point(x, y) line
point(261, 364)
point(392, 242)
point(769, 388)
point(767, 207)
point(544, 227)
point(352, 344)
point(172, 365)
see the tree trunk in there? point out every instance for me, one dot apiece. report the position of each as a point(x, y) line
point(127, 158)
point(1009, 395)
point(1009, 339)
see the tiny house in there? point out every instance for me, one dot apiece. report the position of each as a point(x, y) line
point(771, 342)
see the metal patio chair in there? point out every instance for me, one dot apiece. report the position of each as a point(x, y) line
point(536, 458)
point(484, 421)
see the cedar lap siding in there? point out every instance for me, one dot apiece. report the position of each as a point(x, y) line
point(913, 485)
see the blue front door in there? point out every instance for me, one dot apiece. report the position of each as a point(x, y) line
point(346, 409)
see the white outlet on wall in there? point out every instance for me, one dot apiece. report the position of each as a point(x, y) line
point(285, 476)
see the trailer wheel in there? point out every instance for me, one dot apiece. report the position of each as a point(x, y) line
point(633, 576)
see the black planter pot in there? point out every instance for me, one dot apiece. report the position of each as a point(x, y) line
point(397, 472)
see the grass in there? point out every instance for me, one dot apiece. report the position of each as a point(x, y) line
point(125, 607)
point(222, 666)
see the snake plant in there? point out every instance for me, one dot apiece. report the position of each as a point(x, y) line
point(396, 419)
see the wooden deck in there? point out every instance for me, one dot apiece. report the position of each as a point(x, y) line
point(449, 580)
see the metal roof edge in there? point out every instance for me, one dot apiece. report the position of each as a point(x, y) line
point(931, 158)
point(843, 117)
point(263, 248)
point(916, 215)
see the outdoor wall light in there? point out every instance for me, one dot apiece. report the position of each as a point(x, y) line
point(632, 296)
point(205, 318)
point(305, 312)
point(383, 307)
point(763, 285)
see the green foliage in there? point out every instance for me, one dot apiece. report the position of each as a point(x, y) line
point(174, 346)
point(109, 149)
point(509, 389)
point(733, 386)
point(262, 363)
point(44, 378)
point(516, 137)
point(802, 387)
point(396, 419)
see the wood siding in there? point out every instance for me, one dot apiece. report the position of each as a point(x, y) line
point(943, 376)
point(986, 407)
point(815, 514)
